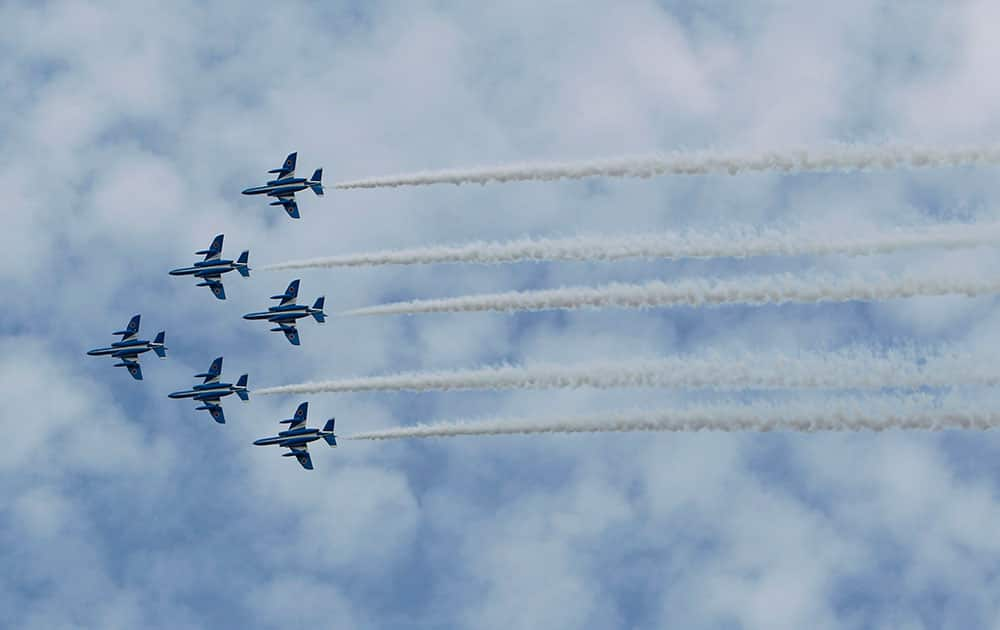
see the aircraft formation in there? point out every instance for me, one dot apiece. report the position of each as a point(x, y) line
point(209, 271)
point(285, 316)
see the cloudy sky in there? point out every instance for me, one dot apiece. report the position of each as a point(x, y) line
point(129, 130)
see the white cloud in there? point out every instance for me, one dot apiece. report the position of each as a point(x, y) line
point(131, 131)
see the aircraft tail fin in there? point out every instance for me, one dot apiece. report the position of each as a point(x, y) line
point(331, 439)
point(158, 347)
point(317, 310)
point(242, 264)
point(316, 182)
point(242, 383)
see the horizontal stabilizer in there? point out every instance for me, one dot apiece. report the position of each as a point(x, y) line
point(331, 439)
point(242, 383)
point(317, 310)
point(158, 347)
point(242, 264)
point(315, 184)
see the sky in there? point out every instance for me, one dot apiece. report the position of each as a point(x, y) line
point(129, 130)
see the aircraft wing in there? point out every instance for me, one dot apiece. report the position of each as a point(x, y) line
point(299, 420)
point(131, 330)
point(214, 250)
point(302, 454)
point(288, 203)
point(214, 370)
point(215, 284)
point(133, 367)
point(291, 333)
point(215, 409)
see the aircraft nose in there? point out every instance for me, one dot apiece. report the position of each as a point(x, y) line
point(174, 394)
point(175, 272)
point(248, 191)
point(259, 442)
point(92, 353)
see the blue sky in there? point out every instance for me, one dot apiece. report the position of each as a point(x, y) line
point(129, 131)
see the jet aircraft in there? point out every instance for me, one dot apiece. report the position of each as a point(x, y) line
point(286, 184)
point(287, 312)
point(129, 348)
point(211, 390)
point(211, 269)
point(297, 437)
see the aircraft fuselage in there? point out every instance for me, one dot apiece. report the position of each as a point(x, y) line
point(205, 391)
point(205, 268)
point(123, 348)
point(279, 187)
point(297, 437)
point(286, 313)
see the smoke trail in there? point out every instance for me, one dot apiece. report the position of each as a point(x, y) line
point(835, 158)
point(778, 289)
point(855, 370)
point(801, 417)
point(671, 246)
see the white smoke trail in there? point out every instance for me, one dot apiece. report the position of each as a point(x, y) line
point(854, 370)
point(835, 158)
point(867, 415)
point(670, 246)
point(777, 289)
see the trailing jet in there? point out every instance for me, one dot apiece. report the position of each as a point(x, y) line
point(287, 312)
point(297, 437)
point(211, 269)
point(286, 184)
point(211, 390)
point(129, 348)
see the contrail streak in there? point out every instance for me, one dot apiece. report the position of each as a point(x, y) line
point(837, 371)
point(808, 418)
point(670, 246)
point(777, 289)
point(835, 158)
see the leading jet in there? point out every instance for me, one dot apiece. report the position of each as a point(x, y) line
point(129, 348)
point(297, 437)
point(210, 269)
point(285, 184)
point(210, 391)
point(287, 312)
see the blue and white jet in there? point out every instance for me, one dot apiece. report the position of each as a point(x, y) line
point(129, 348)
point(210, 391)
point(297, 437)
point(211, 269)
point(286, 184)
point(287, 312)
